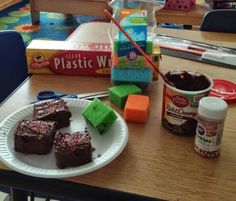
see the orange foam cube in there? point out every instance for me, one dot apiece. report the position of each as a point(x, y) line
point(136, 108)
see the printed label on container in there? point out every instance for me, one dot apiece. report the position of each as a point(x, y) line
point(72, 62)
point(208, 135)
point(179, 110)
point(75, 63)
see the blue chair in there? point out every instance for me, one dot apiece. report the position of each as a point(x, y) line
point(222, 20)
point(13, 64)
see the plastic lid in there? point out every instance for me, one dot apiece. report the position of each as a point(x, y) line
point(224, 89)
point(212, 107)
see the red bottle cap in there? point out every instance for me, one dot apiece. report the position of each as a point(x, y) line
point(224, 89)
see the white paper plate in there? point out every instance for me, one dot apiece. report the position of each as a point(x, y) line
point(107, 146)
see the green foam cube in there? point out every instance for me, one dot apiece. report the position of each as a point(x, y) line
point(99, 115)
point(119, 94)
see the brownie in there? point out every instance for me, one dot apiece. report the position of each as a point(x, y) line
point(34, 137)
point(54, 110)
point(72, 150)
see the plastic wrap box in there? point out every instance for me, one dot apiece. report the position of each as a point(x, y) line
point(73, 58)
point(62, 57)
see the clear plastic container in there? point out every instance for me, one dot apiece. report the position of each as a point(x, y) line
point(137, 18)
point(151, 6)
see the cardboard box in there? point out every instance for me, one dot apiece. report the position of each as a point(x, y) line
point(62, 57)
point(73, 58)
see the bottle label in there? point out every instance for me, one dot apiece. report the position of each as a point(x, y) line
point(208, 135)
point(179, 110)
point(134, 22)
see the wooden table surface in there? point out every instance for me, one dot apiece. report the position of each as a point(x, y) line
point(84, 33)
point(155, 162)
point(191, 17)
point(96, 8)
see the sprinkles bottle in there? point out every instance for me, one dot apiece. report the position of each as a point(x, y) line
point(211, 116)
